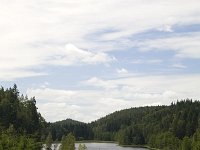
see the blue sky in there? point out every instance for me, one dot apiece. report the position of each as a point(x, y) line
point(85, 59)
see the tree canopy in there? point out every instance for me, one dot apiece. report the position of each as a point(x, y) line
point(164, 127)
point(20, 123)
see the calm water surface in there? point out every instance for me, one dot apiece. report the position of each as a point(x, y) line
point(107, 146)
point(101, 146)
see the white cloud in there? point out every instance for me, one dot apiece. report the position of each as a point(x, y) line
point(9, 75)
point(53, 95)
point(185, 46)
point(80, 105)
point(13, 62)
point(166, 28)
point(145, 61)
point(33, 32)
point(148, 88)
point(97, 82)
point(178, 65)
point(122, 71)
point(71, 55)
point(44, 85)
point(116, 94)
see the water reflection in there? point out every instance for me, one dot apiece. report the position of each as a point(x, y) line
point(100, 146)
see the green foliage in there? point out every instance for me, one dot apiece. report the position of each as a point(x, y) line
point(165, 141)
point(186, 143)
point(163, 127)
point(12, 141)
point(82, 147)
point(49, 140)
point(19, 111)
point(196, 140)
point(80, 130)
point(21, 126)
point(68, 142)
point(1, 146)
point(174, 127)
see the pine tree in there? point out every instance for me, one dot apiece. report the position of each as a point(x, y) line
point(68, 142)
point(186, 143)
point(49, 141)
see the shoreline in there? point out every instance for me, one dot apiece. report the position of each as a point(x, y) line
point(133, 146)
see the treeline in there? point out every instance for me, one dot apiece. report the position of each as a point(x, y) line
point(174, 127)
point(164, 127)
point(80, 130)
point(67, 143)
point(21, 126)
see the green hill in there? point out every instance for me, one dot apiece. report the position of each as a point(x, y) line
point(165, 127)
point(174, 127)
point(79, 129)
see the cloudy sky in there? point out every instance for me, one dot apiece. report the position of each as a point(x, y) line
point(83, 59)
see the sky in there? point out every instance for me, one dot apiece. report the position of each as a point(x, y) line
point(84, 59)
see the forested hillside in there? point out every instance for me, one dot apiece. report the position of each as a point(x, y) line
point(165, 127)
point(21, 126)
point(174, 127)
point(79, 129)
point(169, 127)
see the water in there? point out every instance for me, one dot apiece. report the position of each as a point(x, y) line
point(107, 146)
point(100, 146)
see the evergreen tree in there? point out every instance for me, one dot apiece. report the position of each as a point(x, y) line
point(68, 142)
point(20, 123)
point(49, 141)
point(82, 147)
point(186, 143)
point(196, 140)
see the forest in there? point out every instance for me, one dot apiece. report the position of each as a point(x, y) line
point(21, 126)
point(164, 127)
point(173, 127)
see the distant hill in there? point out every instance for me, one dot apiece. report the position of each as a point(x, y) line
point(174, 127)
point(79, 129)
point(164, 127)
point(68, 121)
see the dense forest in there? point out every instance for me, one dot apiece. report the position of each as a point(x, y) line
point(80, 130)
point(174, 127)
point(164, 127)
point(21, 126)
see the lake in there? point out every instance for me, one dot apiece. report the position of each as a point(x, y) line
point(101, 146)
